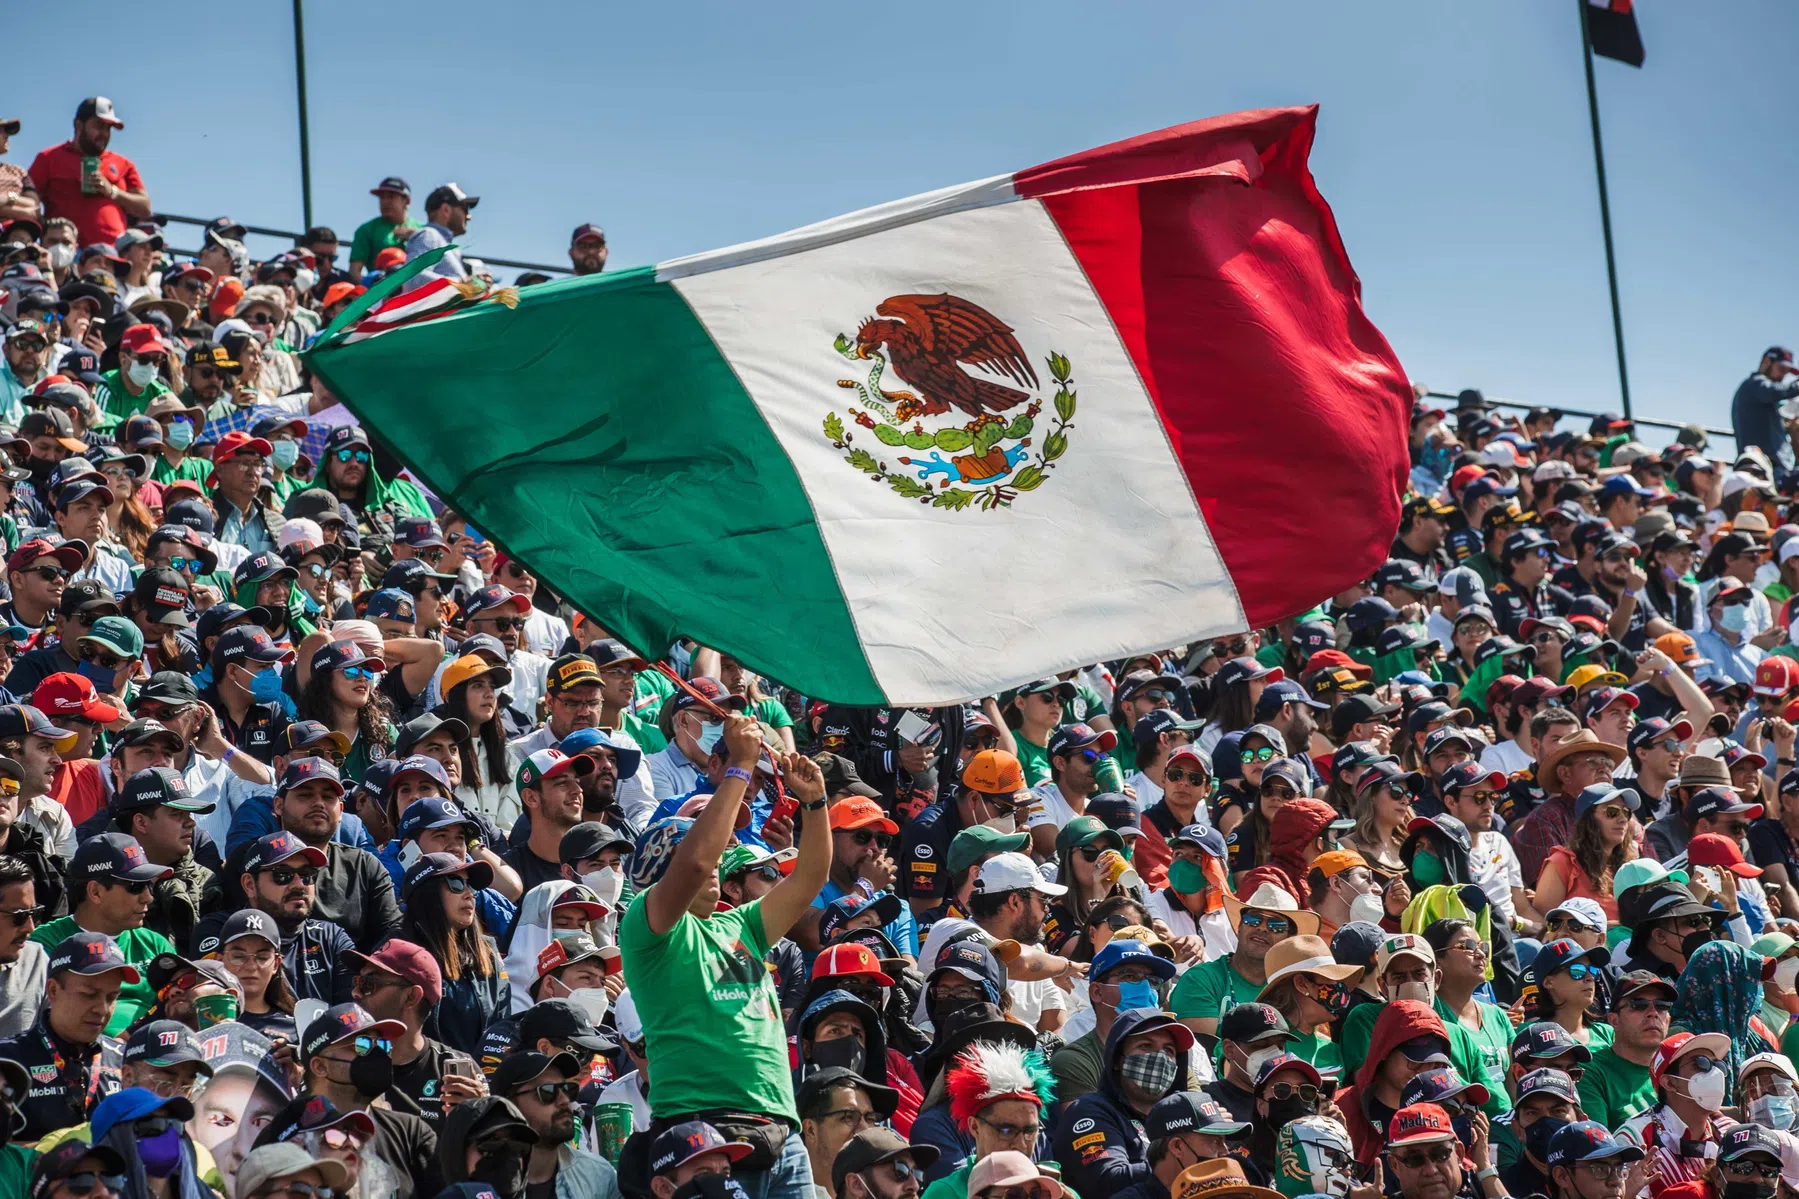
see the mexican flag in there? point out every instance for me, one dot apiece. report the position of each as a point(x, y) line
point(917, 454)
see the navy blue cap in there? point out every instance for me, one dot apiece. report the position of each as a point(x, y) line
point(1600, 793)
point(391, 603)
point(338, 655)
point(1440, 1083)
point(1080, 735)
point(1245, 670)
point(1470, 774)
point(684, 1142)
point(1403, 572)
point(90, 953)
point(1120, 952)
point(1623, 485)
point(432, 812)
point(1209, 839)
point(1156, 721)
point(1448, 735)
point(1358, 753)
point(1395, 638)
point(1545, 1038)
point(885, 907)
point(157, 787)
point(973, 961)
point(1588, 1140)
point(436, 865)
point(1190, 1111)
point(305, 770)
point(246, 643)
point(279, 847)
point(116, 857)
point(343, 1021)
point(1560, 954)
point(411, 575)
point(1484, 486)
point(260, 568)
point(1285, 691)
point(165, 1043)
point(418, 532)
point(1116, 812)
point(1357, 943)
point(1547, 1080)
point(1743, 1140)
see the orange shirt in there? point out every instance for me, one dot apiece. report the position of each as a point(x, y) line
point(1579, 883)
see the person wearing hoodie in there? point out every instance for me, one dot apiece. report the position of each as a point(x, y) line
point(1301, 830)
point(1099, 1140)
point(545, 910)
point(838, 1029)
point(488, 1141)
point(1409, 1038)
point(149, 1133)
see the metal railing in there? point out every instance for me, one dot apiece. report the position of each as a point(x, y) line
point(294, 237)
point(1652, 422)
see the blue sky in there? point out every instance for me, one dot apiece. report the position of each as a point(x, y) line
point(1453, 143)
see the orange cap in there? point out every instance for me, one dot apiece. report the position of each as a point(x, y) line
point(1679, 647)
point(994, 771)
point(1337, 861)
point(858, 811)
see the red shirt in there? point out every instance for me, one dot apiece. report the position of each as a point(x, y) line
point(79, 788)
point(57, 173)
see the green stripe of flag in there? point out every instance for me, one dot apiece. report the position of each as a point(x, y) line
point(633, 422)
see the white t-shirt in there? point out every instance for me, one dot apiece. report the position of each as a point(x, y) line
point(1050, 808)
point(1149, 793)
point(1505, 757)
point(1494, 865)
point(1213, 927)
point(1031, 1000)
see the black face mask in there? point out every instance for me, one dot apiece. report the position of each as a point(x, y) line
point(277, 615)
point(371, 1075)
point(709, 1186)
point(844, 1051)
point(1694, 941)
point(503, 1170)
point(1748, 1190)
point(1537, 1136)
point(1284, 1111)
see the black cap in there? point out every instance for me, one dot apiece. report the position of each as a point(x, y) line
point(884, 1100)
point(420, 727)
point(1251, 1022)
point(54, 1165)
point(587, 839)
point(561, 1020)
point(522, 1067)
point(1545, 1038)
point(170, 687)
point(165, 1043)
point(156, 787)
point(872, 1146)
point(1189, 1111)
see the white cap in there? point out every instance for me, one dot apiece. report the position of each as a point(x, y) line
point(1738, 480)
point(1553, 469)
point(1629, 452)
point(299, 528)
point(1013, 872)
point(624, 1017)
point(1768, 1061)
point(1403, 945)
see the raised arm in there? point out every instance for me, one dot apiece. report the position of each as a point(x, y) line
point(696, 857)
point(787, 902)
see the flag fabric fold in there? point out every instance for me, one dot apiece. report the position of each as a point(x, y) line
point(922, 452)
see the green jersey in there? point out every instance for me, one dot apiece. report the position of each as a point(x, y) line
point(139, 945)
point(1493, 1038)
point(373, 236)
point(1612, 1090)
point(1210, 989)
point(1033, 758)
point(710, 1013)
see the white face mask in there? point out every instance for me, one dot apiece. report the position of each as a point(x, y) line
point(62, 256)
point(1261, 1057)
point(1369, 907)
point(142, 373)
point(593, 1000)
point(1413, 990)
point(606, 883)
point(1707, 1090)
point(304, 281)
point(1786, 973)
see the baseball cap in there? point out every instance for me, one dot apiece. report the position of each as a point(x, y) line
point(993, 772)
point(67, 694)
point(437, 865)
point(1588, 1140)
point(851, 959)
point(1248, 1023)
point(165, 1043)
point(841, 777)
point(1712, 802)
point(157, 787)
point(860, 812)
point(88, 954)
point(1547, 1080)
point(406, 960)
point(561, 1020)
point(279, 847)
point(549, 764)
point(343, 1022)
point(1013, 872)
point(117, 857)
point(1545, 1038)
point(1419, 1123)
point(871, 1147)
point(1122, 952)
point(1715, 849)
point(972, 844)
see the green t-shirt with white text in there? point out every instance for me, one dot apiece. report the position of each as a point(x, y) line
point(710, 1013)
point(1033, 758)
point(1209, 990)
point(139, 945)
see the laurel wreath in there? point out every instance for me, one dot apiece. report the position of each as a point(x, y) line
point(1028, 477)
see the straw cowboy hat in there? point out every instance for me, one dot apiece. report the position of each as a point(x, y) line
point(1270, 898)
point(1585, 741)
point(1305, 954)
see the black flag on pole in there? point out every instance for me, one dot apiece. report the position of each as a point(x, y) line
point(1612, 29)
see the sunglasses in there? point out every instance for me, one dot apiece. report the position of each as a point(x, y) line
point(1155, 694)
point(502, 623)
point(284, 875)
point(1090, 853)
point(1483, 799)
point(1648, 1005)
point(360, 672)
point(101, 658)
point(50, 574)
point(1278, 925)
point(87, 1181)
point(1090, 756)
point(364, 1045)
point(1277, 792)
point(1266, 753)
point(1751, 1170)
point(259, 318)
point(515, 570)
point(131, 888)
point(1176, 774)
point(864, 837)
point(547, 1092)
point(348, 454)
point(317, 570)
point(1581, 971)
point(1283, 1091)
point(21, 915)
point(183, 565)
point(1702, 1062)
point(768, 874)
point(337, 1138)
point(455, 884)
point(1436, 1155)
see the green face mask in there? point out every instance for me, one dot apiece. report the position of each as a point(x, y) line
point(1427, 868)
point(1189, 878)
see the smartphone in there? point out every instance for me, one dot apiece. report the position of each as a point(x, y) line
point(912, 727)
point(461, 1067)
point(784, 808)
point(473, 534)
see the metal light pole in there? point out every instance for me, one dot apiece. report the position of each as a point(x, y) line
point(1605, 209)
point(306, 139)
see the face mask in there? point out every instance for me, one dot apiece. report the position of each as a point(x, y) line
point(714, 1186)
point(709, 737)
point(1734, 617)
point(1284, 1111)
point(309, 606)
point(1694, 942)
point(1335, 999)
point(1707, 1090)
point(1538, 1135)
point(265, 688)
point(1189, 878)
point(847, 1052)
point(1414, 990)
point(1151, 1073)
point(1748, 1190)
point(372, 1075)
point(1773, 1111)
point(1427, 868)
point(1005, 823)
point(1134, 995)
point(142, 373)
point(180, 434)
point(305, 280)
point(502, 1171)
point(1252, 1065)
point(161, 1154)
point(1786, 974)
point(215, 1009)
point(592, 1000)
point(286, 453)
point(98, 675)
point(1370, 908)
point(278, 615)
point(607, 883)
point(62, 256)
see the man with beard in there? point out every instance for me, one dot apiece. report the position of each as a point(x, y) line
point(401, 983)
point(22, 960)
point(278, 882)
point(543, 1089)
point(345, 1055)
point(110, 887)
point(1074, 751)
point(1617, 578)
point(354, 890)
point(1010, 903)
point(1286, 707)
point(502, 614)
point(549, 787)
point(615, 766)
point(156, 808)
point(1205, 992)
point(102, 202)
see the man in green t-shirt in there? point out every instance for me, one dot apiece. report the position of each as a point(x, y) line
point(1207, 991)
point(711, 1015)
point(389, 229)
point(109, 884)
point(1616, 1084)
point(128, 390)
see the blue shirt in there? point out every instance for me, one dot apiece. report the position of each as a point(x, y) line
point(497, 912)
point(1729, 661)
point(450, 266)
point(251, 532)
point(1755, 413)
point(902, 932)
point(256, 818)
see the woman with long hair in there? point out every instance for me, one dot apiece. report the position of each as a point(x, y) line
point(1600, 845)
point(1236, 687)
point(471, 689)
point(250, 947)
point(441, 915)
point(1078, 848)
point(129, 522)
point(1348, 764)
point(1279, 782)
point(1257, 746)
point(1667, 594)
point(341, 694)
point(1566, 978)
point(1382, 811)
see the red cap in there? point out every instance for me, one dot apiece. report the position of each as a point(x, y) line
point(1418, 1123)
point(413, 963)
point(1705, 849)
point(143, 339)
point(233, 442)
point(859, 812)
point(1324, 659)
point(65, 694)
point(1774, 676)
point(391, 257)
point(849, 958)
point(1463, 477)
